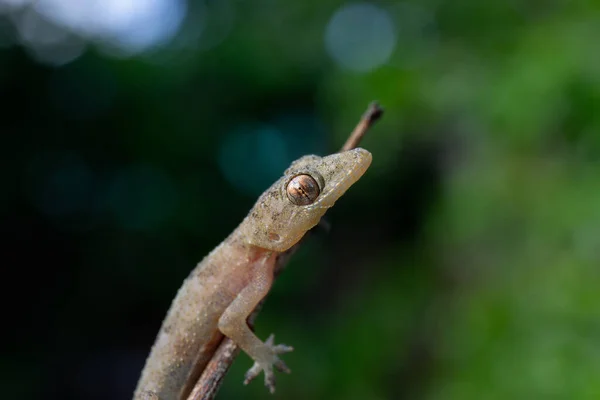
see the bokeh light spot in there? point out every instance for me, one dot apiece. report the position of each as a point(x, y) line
point(253, 157)
point(46, 41)
point(7, 5)
point(142, 197)
point(128, 26)
point(360, 37)
point(35, 29)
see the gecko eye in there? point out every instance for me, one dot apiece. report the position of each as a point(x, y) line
point(303, 190)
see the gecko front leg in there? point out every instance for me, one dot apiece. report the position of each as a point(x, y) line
point(233, 324)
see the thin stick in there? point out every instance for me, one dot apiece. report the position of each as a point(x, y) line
point(373, 113)
point(212, 376)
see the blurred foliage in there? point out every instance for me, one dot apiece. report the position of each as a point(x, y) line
point(464, 265)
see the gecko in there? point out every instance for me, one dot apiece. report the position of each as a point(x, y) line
point(220, 293)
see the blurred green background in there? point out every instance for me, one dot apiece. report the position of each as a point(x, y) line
point(464, 265)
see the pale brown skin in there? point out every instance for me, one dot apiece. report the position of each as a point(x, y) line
point(225, 287)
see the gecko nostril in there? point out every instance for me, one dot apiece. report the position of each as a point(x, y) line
point(273, 237)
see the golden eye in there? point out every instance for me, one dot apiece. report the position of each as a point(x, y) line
point(302, 190)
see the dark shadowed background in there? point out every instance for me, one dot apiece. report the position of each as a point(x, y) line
point(464, 265)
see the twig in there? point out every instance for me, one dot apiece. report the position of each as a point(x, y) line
point(373, 113)
point(212, 376)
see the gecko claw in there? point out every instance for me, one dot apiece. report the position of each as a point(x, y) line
point(267, 367)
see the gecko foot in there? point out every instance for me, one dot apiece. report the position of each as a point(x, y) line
point(267, 367)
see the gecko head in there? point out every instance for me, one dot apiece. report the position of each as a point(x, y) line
point(296, 202)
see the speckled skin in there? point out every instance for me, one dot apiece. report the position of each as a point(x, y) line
point(221, 292)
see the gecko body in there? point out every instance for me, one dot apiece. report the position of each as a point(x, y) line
point(225, 287)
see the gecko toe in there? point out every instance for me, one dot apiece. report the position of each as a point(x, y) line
point(277, 349)
point(270, 340)
point(252, 373)
point(270, 380)
point(280, 365)
point(282, 348)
